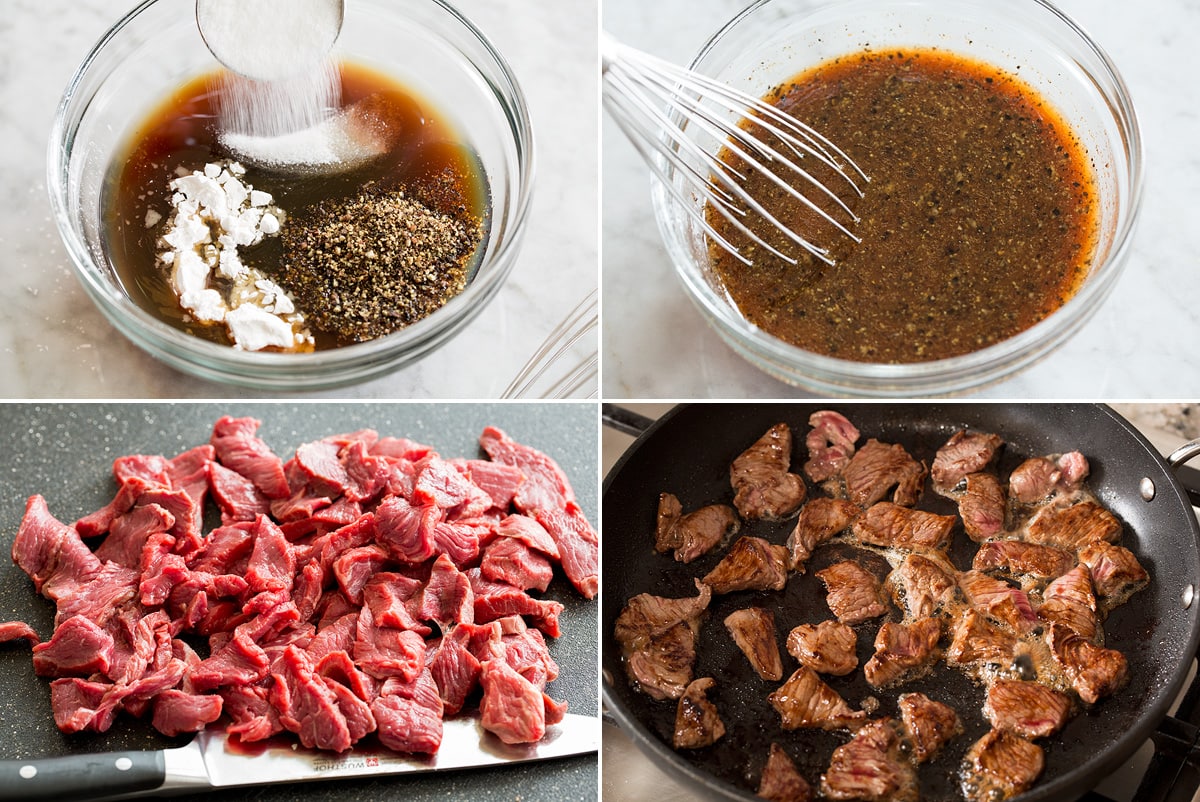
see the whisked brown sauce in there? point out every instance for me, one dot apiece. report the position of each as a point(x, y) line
point(425, 157)
point(980, 218)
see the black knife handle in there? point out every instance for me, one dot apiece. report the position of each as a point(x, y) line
point(82, 776)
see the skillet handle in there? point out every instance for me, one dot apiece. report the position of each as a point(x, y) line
point(624, 420)
point(1188, 477)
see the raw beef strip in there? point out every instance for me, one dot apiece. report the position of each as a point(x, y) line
point(578, 545)
point(853, 592)
point(501, 482)
point(1093, 671)
point(1000, 765)
point(929, 724)
point(1073, 527)
point(512, 707)
point(240, 449)
point(1017, 557)
point(903, 652)
point(440, 483)
point(507, 559)
point(820, 519)
point(695, 534)
point(998, 600)
point(871, 767)
point(16, 630)
point(977, 640)
point(455, 670)
point(830, 444)
point(965, 452)
point(1029, 709)
point(306, 705)
point(750, 564)
point(237, 496)
point(240, 661)
point(78, 647)
point(877, 468)
point(697, 722)
point(895, 526)
point(395, 601)
point(129, 532)
point(658, 641)
point(1069, 602)
point(983, 507)
point(80, 704)
point(529, 532)
point(753, 630)
point(45, 547)
point(781, 781)
point(251, 714)
point(804, 701)
point(828, 647)
point(383, 652)
point(1115, 570)
point(406, 530)
point(409, 715)
point(322, 466)
point(921, 585)
point(447, 598)
point(495, 600)
point(763, 487)
point(177, 712)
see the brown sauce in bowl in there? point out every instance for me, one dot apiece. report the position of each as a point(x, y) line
point(980, 218)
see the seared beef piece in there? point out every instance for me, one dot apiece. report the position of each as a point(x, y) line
point(669, 511)
point(1093, 671)
point(1073, 527)
point(1020, 558)
point(695, 534)
point(820, 519)
point(998, 600)
point(1030, 709)
point(658, 640)
point(894, 526)
point(780, 781)
point(870, 767)
point(750, 564)
point(1000, 765)
point(762, 486)
point(1069, 602)
point(853, 592)
point(903, 652)
point(964, 453)
point(753, 630)
point(879, 467)
point(929, 724)
point(1037, 478)
point(921, 585)
point(977, 640)
point(828, 647)
point(830, 444)
point(1116, 572)
point(697, 722)
point(982, 507)
point(805, 701)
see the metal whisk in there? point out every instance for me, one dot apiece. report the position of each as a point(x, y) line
point(641, 91)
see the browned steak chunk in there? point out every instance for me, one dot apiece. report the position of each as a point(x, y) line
point(1069, 602)
point(820, 519)
point(982, 507)
point(921, 585)
point(1073, 527)
point(763, 488)
point(753, 630)
point(853, 592)
point(1093, 671)
point(929, 724)
point(804, 701)
point(697, 722)
point(1000, 765)
point(781, 781)
point(1116, 572)
point(695, 534)
point(894, 526)
point(1030, 709)
point(903, 652)
point(1038, 478)
point(998, 600)
point(870, 767)
point(1020, 558)
point(964, 453)
point(658, 641)
point(828, 647)
point(750, 564)
point(877, 468)
point(830, 444)
point(977, 640)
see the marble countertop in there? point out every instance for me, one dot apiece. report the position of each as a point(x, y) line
point(1140, 344)
point(55, 344)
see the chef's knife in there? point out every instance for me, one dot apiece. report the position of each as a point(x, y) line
point(211, 762)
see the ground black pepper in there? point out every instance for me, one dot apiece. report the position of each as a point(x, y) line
point(374, 263)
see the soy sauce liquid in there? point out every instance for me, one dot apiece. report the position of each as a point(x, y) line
point(428, 158)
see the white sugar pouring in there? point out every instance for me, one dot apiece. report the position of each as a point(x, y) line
point(279, 106)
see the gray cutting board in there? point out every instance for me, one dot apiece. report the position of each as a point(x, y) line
point(65, 452)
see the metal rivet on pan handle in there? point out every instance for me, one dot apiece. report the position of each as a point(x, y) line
point(1146, 486)
point(1189, 595)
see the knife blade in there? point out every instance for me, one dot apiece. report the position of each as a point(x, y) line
point(212, 761)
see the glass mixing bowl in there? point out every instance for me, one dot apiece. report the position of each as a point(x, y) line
point(774, 40)
point(425, 44)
